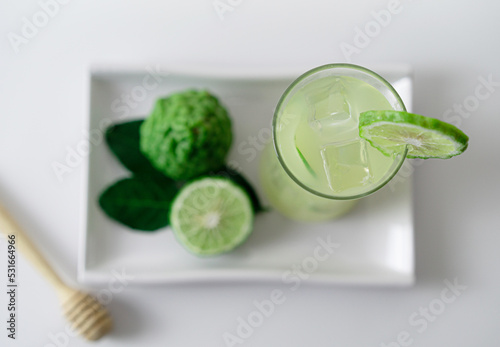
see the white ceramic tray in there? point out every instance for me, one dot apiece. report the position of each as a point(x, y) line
point(375, 241)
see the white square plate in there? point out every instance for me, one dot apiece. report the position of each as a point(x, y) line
point(375, 240)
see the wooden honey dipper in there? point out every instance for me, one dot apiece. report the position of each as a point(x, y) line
point(87, 315)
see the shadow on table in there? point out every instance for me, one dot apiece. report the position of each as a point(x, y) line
point(433, 188)
point(129, 320)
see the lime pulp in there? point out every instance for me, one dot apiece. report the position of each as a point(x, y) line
point(211, 216)
point(425, 137)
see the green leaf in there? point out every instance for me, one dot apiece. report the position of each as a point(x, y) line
point(141, 202)
point(124, 141)
point(239, 179)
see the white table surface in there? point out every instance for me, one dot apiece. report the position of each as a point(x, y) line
point(43, 98)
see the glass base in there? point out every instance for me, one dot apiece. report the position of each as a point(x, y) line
point(291, 200)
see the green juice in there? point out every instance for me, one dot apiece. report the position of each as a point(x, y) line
point(318, 139)
point(320, 153)
point(292, 200)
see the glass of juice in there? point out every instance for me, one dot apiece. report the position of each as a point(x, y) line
point(319, 165)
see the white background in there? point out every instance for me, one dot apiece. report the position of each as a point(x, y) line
point(43, 98)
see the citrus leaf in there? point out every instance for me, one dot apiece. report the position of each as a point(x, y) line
point(124, 141)
point(140, 202)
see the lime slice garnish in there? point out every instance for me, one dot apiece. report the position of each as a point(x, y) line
point(425, 137)
point(211, 216)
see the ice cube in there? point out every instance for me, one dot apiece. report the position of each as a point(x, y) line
point(332, 112)
point(346, 165)
point(318, 90)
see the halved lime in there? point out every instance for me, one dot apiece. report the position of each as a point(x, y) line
point(211, 216)
point(425, 137)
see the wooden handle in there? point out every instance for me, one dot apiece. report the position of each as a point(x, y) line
point(9, 227)
point(86, 314)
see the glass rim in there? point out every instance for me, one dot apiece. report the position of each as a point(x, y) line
point(291, 88)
